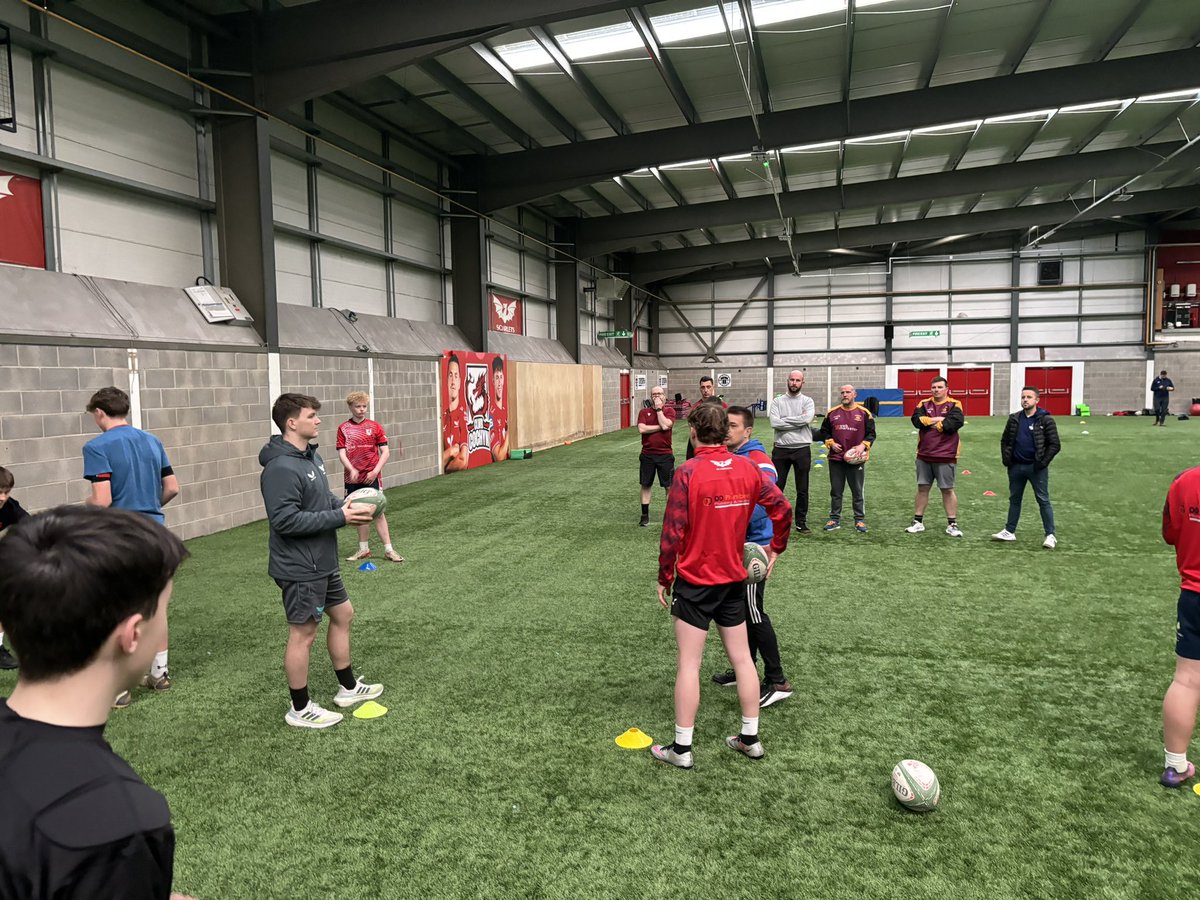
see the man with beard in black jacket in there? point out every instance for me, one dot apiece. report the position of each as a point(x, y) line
point(1028, 444)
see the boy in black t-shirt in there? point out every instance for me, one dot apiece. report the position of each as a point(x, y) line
point(83, 593)
point(10, 514)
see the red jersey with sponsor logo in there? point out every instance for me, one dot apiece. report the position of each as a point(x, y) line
point(361, 441)
point(1181, 526)
point(656, 443)
point(499, 427)
point(709, 506)
point(454, 426)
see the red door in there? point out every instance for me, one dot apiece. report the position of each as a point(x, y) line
point(972, 387)
point(626, 400)
point(915, 384)
point(1055, 384)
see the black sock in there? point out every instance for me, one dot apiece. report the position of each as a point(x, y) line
point(918, 518)
point(682, 748)
point(299, 697)
point(748, 739)
point(645, 509)
point(951, 520)
point(345, 677)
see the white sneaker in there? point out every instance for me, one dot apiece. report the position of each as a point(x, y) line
point(312, 716)
point(915, 528)
point(953, 531)
point(1050, 542)
point(1004, 535)
point(357, 694)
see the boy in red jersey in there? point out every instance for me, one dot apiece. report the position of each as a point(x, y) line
point(1181, 529)
point(938, 418)
point(362, 445)
point(709, 506)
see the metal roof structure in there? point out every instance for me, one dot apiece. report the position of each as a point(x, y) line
point(767, 134)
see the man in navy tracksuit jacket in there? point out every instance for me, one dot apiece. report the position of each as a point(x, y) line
point(1027, 446)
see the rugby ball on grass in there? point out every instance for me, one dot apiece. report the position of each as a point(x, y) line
point(916, 786)
point(755, 558)
point(369, 497)
point(856, 457)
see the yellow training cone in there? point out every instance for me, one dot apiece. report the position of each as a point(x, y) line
point(634, 739)
point(370, 710)
point(1196, 788)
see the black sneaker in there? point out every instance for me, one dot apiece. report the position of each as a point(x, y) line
point(644, 521)
point(7, 660)
point(773, 693)
point(803, 529)
point(725, 679)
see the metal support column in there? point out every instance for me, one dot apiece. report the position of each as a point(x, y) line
point(314, 210)
point(770, 318)
point(1014, 306)
point(623, 321)
point(889, 329)
point(469, 268)
point(389, 265)
point(198, 58)
point(43, 116)
point(566, 293)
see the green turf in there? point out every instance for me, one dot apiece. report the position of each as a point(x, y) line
point(522, 636)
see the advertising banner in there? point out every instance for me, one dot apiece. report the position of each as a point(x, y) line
point(21, 221)
point(507, 314)
point(474, 409)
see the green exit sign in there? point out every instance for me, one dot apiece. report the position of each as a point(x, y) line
point(616, 334)
point(924, 334)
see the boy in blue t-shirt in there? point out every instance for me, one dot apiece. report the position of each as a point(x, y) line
point(129, 469)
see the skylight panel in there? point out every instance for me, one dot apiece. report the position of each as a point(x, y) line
point(524, 55)
point(595, 42)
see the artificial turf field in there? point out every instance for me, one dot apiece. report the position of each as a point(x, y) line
point(522, 636)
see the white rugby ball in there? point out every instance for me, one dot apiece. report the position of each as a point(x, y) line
point(916, 786)
point(370, 497)
point(855, 457)
point(754, 556)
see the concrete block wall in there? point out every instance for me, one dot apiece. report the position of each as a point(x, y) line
point(816, 381)
point(329, 379)
point(211, 410)
point(406, 405)
point(1183, 368)
point(1108, 385)
point(610, 387)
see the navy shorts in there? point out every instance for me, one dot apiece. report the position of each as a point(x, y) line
point(1187, 625)
point(305, 601)
point(377, 484)
point(699, 604)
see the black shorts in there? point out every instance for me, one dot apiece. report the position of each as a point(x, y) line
point(1187, 625)
point(304, 601)
point(377, 484)
point(699, 604)
point(664, 465)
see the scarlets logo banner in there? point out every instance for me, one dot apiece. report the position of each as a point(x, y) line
point(506, 314)
point(21, 221)
point(474, 409)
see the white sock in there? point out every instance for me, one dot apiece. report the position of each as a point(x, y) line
point(1, 638)
point(683, 736)
point(159, 668)
point(1177, 761)
point(750, 726)
point(387, 548)
point(363, 545)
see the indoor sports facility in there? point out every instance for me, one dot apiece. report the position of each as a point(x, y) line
point(509, 223)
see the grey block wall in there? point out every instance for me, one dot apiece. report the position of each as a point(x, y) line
point(406, 405)
point(610, 388)
point(329, 379)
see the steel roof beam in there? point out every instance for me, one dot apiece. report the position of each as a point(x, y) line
point(930, 63)
point(730, 192)
point(641, 24)
point(756, 60)
point(649, 267)
point(522, 86)
point(1122, 29)
point(617, 232)
point(514, 178)
point(450, 82)
point(1013, 61)
point(581, 81)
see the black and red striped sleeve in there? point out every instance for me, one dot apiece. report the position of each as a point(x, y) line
point(675, 523)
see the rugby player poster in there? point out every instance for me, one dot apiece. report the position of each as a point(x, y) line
point(474, 409)
point(21, 221)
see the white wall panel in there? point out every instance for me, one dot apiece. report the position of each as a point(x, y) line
point(1034, 334)
point(289, 191)
point(418, 294)
point(1049, 303)
point(903, 341)
point(352, 130)
point(1115, 268)
point(979, 273)
point(114, 235)
point(920, 277)
point(801, 312)
point(504, 265)
point(536, 280)
point(415, 234)
point(106, 128)
point(983, 335)
point(976, 305)
point(293, 282)
point(754, 314)
point(537, 318)
point(743, 342)
point(350, 212)
point(796, 340)
point(1112, 331)
point(917, 309)
point(352, 281)
point(26, 135)
point(1114, 300)
point(859, 309)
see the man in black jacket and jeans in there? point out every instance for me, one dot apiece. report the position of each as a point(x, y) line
point(1029, 443)
point(304, 516)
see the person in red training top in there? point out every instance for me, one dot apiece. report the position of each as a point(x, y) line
point(938, 418)
point(454, 420)
point(700, 557)
point(849, 426)
point(657, 458)
point(362, 445)
point(1181, 529)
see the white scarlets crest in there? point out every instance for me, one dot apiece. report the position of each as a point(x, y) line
point(477, 389)
point(504, 311)
point(5, 190)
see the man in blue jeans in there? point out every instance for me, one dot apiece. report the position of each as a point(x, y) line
point(1028, 444)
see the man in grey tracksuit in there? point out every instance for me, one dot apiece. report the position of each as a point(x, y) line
point(304, 516)
point(791, 417)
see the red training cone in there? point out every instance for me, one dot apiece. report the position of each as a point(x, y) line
point(989, 493)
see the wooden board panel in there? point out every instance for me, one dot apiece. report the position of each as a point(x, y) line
point(554, 403)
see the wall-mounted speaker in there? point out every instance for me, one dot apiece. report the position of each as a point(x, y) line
point(889, 332)
point(1050, 271)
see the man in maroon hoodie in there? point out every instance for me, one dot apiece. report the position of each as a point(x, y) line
point(709, 506)
point(938, 418)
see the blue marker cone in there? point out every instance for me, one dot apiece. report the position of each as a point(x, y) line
point(368, 566)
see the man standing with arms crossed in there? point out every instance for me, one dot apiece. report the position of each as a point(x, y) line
point(708, 394)
point(938, 419)
point(849, 426)
point(1161, 387)
point(128, 468)
point(700, 563)
point(791, 416)
point(1028, 444)
point(657, 457)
